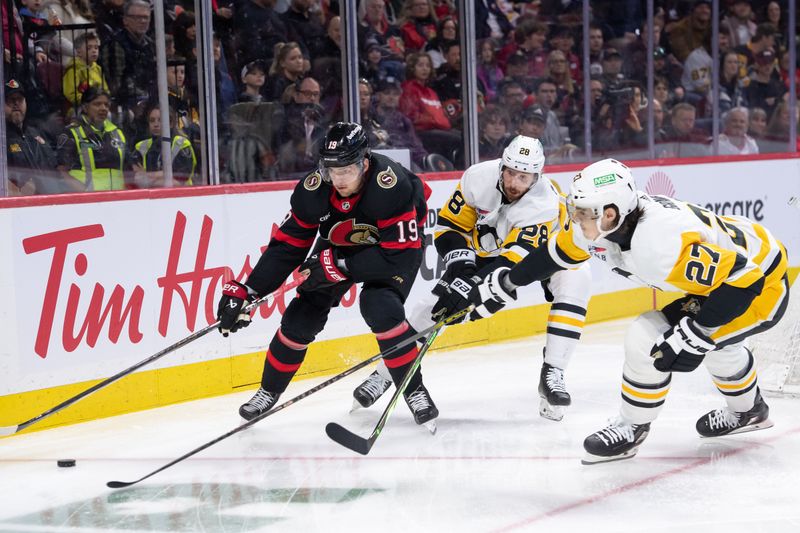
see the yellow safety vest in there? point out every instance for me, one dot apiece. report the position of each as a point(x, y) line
point(98, 179)
point(178, 144)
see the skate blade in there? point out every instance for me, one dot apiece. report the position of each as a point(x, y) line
point(591, 459)
point(355, 407)
point(551, 412)
point(764, 424)
point(430, 425)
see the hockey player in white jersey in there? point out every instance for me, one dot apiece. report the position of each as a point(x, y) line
point(733, 274)
point(500, 211)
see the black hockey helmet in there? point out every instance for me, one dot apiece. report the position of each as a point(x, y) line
point(345, 144)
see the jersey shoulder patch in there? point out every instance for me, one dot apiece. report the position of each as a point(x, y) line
point(386, 178)
point(312, 181)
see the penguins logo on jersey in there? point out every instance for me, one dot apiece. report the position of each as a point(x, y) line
point(387, 178)
point(348, 233)
point(312, 181)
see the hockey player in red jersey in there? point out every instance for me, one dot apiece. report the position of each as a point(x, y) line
point(367, 212)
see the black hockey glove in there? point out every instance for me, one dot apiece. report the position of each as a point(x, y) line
point(682, 348)
point(453, 297)
point(321, 271)
point(230, 314)
point(491, 295)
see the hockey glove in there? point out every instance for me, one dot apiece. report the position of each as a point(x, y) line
point(452, 297)
point(491, 295)
point(458, 263)
point(682, 348)
point(321, 270)
point(230, 311)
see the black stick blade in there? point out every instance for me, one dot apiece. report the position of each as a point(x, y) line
point(348, 439)
point(119, 484)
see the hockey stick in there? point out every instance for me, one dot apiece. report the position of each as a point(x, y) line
point(284, 405)
point(11, 430)
point(358, 444)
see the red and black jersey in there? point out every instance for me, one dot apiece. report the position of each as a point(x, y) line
point(378, 231)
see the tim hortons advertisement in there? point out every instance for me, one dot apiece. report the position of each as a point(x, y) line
point(93, 288)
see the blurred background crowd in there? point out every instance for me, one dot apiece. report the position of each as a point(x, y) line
point(80, 84)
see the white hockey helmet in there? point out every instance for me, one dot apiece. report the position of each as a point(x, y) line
point(524, 154)
point(604, 183)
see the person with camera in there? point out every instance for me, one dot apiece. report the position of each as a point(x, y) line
point(303, 128)
point(618, 123)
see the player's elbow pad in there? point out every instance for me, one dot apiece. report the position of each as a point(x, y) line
point(536, 266)
point(727, 302)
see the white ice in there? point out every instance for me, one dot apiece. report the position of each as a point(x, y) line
point(494, 464)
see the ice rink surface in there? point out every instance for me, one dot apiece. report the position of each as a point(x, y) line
point(494, 464)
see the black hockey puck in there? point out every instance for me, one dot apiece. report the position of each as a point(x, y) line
point(66, 463)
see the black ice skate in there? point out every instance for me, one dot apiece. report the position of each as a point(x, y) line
point(370, 390)
point(260, 403)
point(619, 440)
point(723, 421)
point(553, 393)
point(422, 407)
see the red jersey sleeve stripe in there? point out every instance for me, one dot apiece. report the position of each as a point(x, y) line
point(386, 222)
point(294, 241)
point(302, 224)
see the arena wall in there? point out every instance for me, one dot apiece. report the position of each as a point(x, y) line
point(95, 283)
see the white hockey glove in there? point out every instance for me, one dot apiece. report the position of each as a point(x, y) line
point(491, 295)
point(682, 348)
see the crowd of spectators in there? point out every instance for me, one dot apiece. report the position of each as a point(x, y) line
point(85, 72)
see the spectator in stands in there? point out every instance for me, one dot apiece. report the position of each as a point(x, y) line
point(530, 36)
point(658, 121)
point(398, 126)
point(731, 86)
point(305, 28)
point(546, 94)
point(562, 39)
point(372, 65)
point(779, 127)
point(422, 105)
point(489, 74)
point(188, 116)
point(596, 43)
point(446, 33)
point(374, 28)
point(635, 53)
point(109, 16)
point(773, 14)
point(30, 159)
point(764, 90)
point(517, 70)
point(184, 31)
point(287, 68)
point(146, 160)
point(253, 78)
point(83, 71)
point(567, 91)
point(378, 136)
point(757, 128)
point(331, 46)
point(696, 79)
point(225, 87)
point(418, 24)
point(304, 129)
point(734, 140)
point(612, 67)
point(681, 138)
point(763, 39)
point(258, 30)
point(513, 98)
point(689, 32)
point(533, 122)
point(92, 153)
point(327, 68)
point(783, 70)
point(129, 60)
point(494, 130)
point(740, 21)
point(447, 83)
point(491, 21)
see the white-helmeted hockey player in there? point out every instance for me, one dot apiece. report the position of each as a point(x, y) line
point(732, 270)
point(500, 211)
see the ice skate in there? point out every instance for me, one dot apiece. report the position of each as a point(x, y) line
point(422, 407)
point(723, 421)
point(553, 393)
point(369, 391)
point(619, 440)
point(260, 403)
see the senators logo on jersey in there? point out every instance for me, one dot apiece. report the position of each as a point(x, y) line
point(348, 233)
point(312, 181)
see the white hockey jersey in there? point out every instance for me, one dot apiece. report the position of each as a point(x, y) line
point(491, 225)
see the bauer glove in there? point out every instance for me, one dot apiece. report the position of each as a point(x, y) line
point(230, 311)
